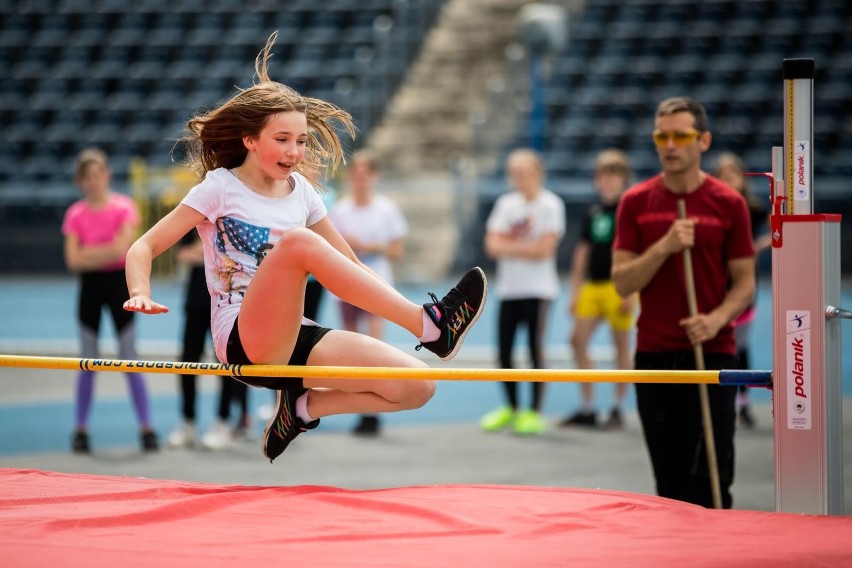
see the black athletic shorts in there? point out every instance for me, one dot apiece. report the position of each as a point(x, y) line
point(309, 336)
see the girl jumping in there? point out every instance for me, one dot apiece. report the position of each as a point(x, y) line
point(264, 230)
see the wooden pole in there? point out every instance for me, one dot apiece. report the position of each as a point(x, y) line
point(706, 417)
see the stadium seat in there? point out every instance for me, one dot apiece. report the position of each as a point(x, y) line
point(132, 28)
point(67, 126)
point(83, 56)
point(725, 53)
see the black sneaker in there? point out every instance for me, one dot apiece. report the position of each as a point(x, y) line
point(458, 310)
point(614, 422)
point(284, 425)
point(80, 443)
point(580, 418)
point(148, 441)
point(367, 426)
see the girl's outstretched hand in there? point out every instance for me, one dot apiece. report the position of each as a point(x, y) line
point(145, 305)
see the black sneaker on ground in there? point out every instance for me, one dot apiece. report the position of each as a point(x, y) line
point(367, 426)
point(149, 442)
point(614, 422)
point(458, 310)
point(580, 418)
point(80, 443)
point(284, 425)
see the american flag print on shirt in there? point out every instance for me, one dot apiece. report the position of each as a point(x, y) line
point(236, 236)
point(244, 237)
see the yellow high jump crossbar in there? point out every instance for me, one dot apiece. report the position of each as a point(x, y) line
point(724, 377)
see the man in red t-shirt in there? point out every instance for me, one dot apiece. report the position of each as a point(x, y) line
point(647, 258)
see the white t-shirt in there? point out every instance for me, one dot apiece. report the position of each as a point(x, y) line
point(521, 278)
point(241, 227)
point(378, 222)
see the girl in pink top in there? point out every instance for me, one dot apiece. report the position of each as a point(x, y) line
point(98, 230)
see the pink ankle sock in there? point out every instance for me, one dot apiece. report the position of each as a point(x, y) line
point(430, 330)
point(302, 408)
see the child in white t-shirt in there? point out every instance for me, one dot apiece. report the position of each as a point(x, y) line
point(374, 227)
point(522, 234)
point(264, 229)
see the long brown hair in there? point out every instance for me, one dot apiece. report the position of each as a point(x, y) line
point(215, 138)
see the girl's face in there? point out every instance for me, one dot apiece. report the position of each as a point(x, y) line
point(94, 180)
point(280, 146)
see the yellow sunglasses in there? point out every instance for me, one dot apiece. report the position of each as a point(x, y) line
point(679, 137)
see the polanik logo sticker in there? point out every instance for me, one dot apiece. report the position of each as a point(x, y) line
point(798, 351)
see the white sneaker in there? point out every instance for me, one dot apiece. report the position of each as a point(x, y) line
point(218, 436)
point(183, 436)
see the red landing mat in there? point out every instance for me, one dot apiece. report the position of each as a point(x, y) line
point(55, 519)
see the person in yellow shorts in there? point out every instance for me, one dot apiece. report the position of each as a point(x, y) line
point(593, 295)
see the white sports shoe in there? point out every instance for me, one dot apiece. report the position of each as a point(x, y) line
point(218, 436)
point(183, 436)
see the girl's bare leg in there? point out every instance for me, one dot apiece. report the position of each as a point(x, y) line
point(338, 396)
point(358, 396)
point(271, 312)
